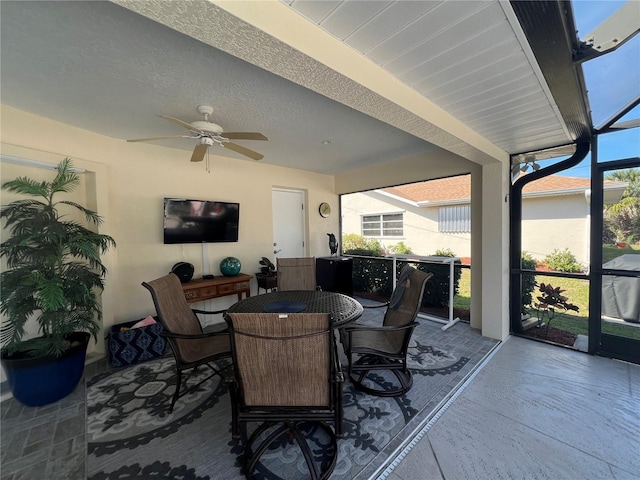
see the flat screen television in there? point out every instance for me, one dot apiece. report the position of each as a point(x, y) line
point(200, 221)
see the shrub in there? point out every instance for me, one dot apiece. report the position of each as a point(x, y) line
point(623, 218)
point(367, 272)
point(372, 275)
point(400, 248)
point(436, 292)
point(550, 302)
point(355, 244)
point(562, 261)
point(528, 280)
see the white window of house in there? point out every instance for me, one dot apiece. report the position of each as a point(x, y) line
point(456, 219)
point(383, 225)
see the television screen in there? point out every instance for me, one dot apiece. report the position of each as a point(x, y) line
point(198, 221)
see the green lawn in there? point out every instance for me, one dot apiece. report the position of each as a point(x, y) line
point(576, 290)
point(609, 252)
point(463, 298)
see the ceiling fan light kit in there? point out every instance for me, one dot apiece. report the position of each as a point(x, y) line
point(208, 133)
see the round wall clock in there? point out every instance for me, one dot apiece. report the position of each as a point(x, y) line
point(324, 209)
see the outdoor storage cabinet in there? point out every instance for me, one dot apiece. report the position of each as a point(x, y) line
point(334, 274)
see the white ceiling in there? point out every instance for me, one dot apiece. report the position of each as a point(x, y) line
point(463, 55)
point(104, 68)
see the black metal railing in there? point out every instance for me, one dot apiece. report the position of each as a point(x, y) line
point(373, 277)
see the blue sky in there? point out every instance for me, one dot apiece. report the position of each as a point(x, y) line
point(612, 81)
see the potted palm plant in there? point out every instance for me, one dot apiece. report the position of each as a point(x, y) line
point(53, 276)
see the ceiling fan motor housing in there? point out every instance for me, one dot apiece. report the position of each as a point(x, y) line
point(205, 110)
point(206, 126)
point(207, 134)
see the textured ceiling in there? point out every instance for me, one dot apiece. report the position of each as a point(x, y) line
point(101, 67)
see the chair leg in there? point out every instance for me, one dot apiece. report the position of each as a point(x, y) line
point(194, 370)
point(339, 418)
point(308, 455)
point(292, 430)
point(176, 395)
point(235, 424)
point(250, 457)
point(368, 364)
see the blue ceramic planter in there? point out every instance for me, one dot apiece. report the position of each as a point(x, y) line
point(42, 380)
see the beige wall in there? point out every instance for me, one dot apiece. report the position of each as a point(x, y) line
point(420, 224)
point(131, 180)
point(550, 223)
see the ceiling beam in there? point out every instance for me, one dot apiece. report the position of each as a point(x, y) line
point(551, 32)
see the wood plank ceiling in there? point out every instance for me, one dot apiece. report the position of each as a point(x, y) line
point(471, 58)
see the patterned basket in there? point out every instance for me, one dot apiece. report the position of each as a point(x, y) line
point(135, 345)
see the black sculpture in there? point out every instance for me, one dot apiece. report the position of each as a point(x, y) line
point(333, 243)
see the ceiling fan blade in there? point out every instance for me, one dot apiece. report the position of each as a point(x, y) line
point(243, 151)
point(186, 125)
point(244, 135)
point(199, 152)
point(157, 138)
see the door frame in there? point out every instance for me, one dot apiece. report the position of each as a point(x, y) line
point(602, 343)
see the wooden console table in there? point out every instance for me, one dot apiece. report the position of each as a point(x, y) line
point(201, 289)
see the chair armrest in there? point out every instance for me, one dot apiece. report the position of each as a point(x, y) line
point(385, 304)
point(194, 337)
point(209, 312)
point(363, 327)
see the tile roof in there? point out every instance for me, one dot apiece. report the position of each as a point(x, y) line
point(459, 188)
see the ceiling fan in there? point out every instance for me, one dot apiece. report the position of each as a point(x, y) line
point(208, 133)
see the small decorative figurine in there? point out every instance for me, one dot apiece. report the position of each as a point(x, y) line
point(333, 243)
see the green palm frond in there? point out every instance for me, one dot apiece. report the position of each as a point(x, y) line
point(54, 270)
point(89, 215)
point(27, 186)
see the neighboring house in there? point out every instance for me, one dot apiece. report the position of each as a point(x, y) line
point(433, 215)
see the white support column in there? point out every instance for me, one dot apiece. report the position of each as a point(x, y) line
point(476, 247)
point(495, 251)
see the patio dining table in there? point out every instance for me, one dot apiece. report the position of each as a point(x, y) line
point(342, 308)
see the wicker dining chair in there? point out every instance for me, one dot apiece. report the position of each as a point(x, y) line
point(288, 379)
point(375, 349)
point(296, 273)
point(190, 346)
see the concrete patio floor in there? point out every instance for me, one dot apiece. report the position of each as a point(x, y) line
point(533, 411)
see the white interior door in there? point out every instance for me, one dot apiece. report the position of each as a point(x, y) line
point(288, 223)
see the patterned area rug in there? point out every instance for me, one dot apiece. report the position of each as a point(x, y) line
point(131, 435)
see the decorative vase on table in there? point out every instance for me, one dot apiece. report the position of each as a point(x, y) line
point(230, 266)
